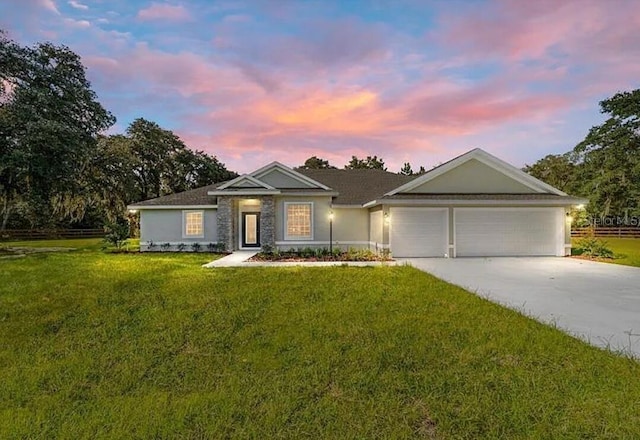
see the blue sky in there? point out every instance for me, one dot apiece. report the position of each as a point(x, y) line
point(418, 81)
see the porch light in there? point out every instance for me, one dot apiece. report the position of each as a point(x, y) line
point(580, 206)
point(387, 218)
point(133, 211)
point(331, 232)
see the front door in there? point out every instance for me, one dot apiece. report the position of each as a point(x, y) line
point(250, 229)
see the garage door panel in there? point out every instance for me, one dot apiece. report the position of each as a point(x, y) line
point(508, 232)
point(419, 232)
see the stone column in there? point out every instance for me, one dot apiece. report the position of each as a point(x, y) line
point(225, 222)
point(268, 221)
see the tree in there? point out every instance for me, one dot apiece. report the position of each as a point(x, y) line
point(406, 169)
point(558, 170)
point(146, 162)
point(421, 171)
point(49, 122)
point(368, 163)
point(609, 158)
point(315, 163)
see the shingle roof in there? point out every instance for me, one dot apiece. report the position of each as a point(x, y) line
point(357, 186)
point(196, 196)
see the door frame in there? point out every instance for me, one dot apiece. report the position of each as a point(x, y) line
point(243, 230)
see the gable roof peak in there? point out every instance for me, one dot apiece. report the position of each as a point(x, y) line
point(487, 159)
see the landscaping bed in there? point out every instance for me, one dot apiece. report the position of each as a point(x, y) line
point(320, 254)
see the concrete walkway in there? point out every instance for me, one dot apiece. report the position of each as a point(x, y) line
point(598, 302)
point(234, 259)
point(239, 259)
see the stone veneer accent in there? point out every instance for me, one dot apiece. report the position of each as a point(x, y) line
point(228, 221)
point(268, 221)
point(225, 221)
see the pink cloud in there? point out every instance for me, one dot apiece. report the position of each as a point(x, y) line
point(165, 12)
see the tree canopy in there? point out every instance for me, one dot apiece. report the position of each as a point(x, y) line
point(605, 166)
point(56, 166)
point(370, 162)
point(315, 163)
point(49, 122)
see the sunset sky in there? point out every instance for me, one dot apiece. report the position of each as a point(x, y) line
point(418, 81)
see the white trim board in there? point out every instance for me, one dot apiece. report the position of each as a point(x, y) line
point(470, 203)
point(289, 172)
point(245, 177)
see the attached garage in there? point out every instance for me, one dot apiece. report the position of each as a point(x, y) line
point(484, 232)
point(419, 232)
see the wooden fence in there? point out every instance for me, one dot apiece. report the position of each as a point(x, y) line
point(43, 234)
point(612, 232)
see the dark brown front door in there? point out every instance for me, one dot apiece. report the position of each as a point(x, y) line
point(250, 229)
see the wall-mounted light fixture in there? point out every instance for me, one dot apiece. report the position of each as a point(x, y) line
point(331, 231)
point(580, 206)
point(387, 218)
point(133, 211)
point(569, 218)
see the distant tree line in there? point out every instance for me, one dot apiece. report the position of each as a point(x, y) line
point(370, 162)
point(605, 166)
point(57, 169)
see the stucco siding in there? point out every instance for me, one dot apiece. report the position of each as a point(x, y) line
point(278, 179)
point(165, 226)
point(473, 177)
point(351, 225)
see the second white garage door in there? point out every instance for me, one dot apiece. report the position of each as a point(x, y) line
point(484, 232)
point(419, 232)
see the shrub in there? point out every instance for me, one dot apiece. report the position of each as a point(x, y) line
point(196, 247)
point(267, 249)
point(151, 245)
point(307, 252)
point(211, 247)
point(117, 233)
point(165, 246)
point(336, 252)
point(593, 247)
point(181, 247)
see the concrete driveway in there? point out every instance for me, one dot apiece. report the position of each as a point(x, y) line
point(598, 302)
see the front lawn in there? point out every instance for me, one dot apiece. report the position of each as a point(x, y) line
point(96, 345)
point(626, 250)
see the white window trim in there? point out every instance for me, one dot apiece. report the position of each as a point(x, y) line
point(287, 237)
point(184, 223)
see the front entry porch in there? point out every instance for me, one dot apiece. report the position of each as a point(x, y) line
point(246, 222)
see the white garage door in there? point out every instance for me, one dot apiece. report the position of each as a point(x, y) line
point(485, 232)
point(419, 232)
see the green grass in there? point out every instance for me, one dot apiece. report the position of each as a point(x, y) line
point(78, 243)
point(626, 250)
point(96, 345)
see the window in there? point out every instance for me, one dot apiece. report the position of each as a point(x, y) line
point(193, 223)
point(298, 221)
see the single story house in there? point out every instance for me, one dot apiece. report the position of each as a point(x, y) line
point(473, 205)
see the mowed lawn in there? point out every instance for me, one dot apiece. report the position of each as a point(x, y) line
point(626, 250)
point(96, 345)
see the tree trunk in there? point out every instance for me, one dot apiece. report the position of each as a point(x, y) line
point(6, 211)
